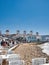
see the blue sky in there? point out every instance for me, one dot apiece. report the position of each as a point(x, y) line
point(24, 15)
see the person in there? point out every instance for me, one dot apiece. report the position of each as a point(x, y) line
point(10, 43)
point(2, 42)
point(5, 62)
point(7, 43)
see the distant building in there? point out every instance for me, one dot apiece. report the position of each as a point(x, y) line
point(47, 38)
point(7, 32)
point(17, 32)
point(31, 33)
point(39, 38)
point(0, 33)
point(37, 33)
point(24, 33)
point(31, 38)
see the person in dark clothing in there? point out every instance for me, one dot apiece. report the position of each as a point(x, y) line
point(2, 42)
point(7, 43)
point(12, 42)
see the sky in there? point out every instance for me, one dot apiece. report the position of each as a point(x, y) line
point(24, 15)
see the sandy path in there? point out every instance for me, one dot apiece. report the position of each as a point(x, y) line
point(29, 51)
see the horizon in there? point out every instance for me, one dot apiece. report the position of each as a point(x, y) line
point(24, 15)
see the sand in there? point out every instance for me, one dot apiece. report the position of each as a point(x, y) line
point(29, 51)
